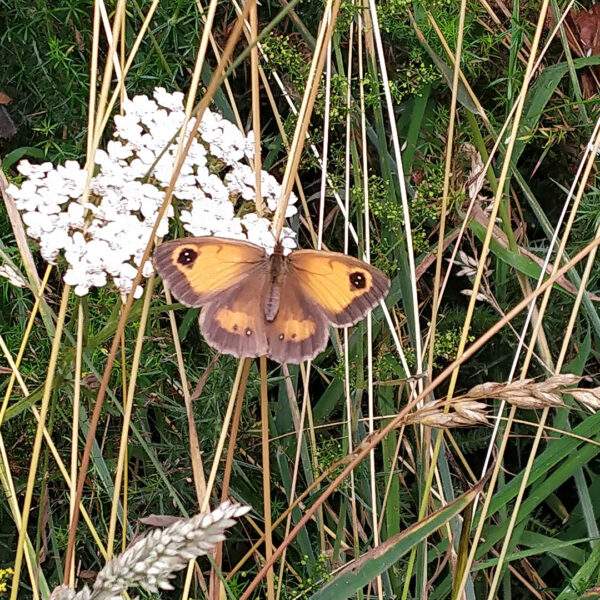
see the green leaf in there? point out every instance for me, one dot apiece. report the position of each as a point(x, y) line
point(585, 578)
point(12, 157)
point(367, 567)
point(539, 94)
point(521, 263)
point(551, 469)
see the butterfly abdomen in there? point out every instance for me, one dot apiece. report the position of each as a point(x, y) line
point(272, 299)
point(272, 295)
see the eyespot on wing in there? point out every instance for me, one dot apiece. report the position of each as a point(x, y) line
point(344, 287)
point(197, 270)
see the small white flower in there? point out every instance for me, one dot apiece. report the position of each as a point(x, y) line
point(214, 188)
point(37, 224)
point(128, 128)
point(105, 237)
point(172, 101)
point(26, 197)
point(139, 106)
point(75, 214)
point(118, 151)
point(34, 171)
point(241, 180)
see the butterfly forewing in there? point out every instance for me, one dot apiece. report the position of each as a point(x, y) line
point(199, 269)
point(343, 287)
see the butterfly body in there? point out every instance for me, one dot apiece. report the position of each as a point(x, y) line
point(272, 296)
point(256, 304)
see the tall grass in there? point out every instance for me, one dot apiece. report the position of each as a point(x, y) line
point(451, 144)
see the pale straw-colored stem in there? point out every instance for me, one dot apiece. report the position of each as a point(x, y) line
point(299, 427)
point(75, 424)
point(195, 454)
point(216, 460)
point(127, 412)
point(53, 450)
point(266, 473)
point(258, 200)
point(183, 148)
point(376, 32)
point(512, 412)
point(37, 441)
point(559, 364)
point(217, 588)
point(367, 254)
point(17, 362)
point(346, 336)
point(305, 112)
point(431, 466)
point(500, 136)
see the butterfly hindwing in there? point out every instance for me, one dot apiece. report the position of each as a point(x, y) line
point(300, 329)
point(343, 287)
point(234, 323)
point(198, 270)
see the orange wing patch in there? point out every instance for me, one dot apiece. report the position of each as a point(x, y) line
point(300, 329)
point(233, 323)
point(296, 330)
point(199, 269)
point(344, 287)
point(236, 321)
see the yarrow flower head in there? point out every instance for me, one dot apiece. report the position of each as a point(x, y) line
point(102, 234)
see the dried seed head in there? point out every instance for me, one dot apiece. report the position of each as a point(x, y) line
point(461, 413)
point(527, 393)
point(152, 560)
point(588, 398)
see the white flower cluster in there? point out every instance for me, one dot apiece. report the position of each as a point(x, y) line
point(105, 237)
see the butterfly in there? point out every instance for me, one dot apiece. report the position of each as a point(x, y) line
point(256, 304)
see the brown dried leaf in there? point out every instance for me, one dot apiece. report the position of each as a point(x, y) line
point(476, 177)
point(7, 127)
point(588, 25)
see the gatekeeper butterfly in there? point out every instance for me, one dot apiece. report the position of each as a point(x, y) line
point(256, 304)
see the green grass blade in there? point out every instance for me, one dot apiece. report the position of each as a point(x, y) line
point(374, 562)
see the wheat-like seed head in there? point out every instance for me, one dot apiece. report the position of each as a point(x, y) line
point(459, 412)
point(154, 559)
point(527, 393)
